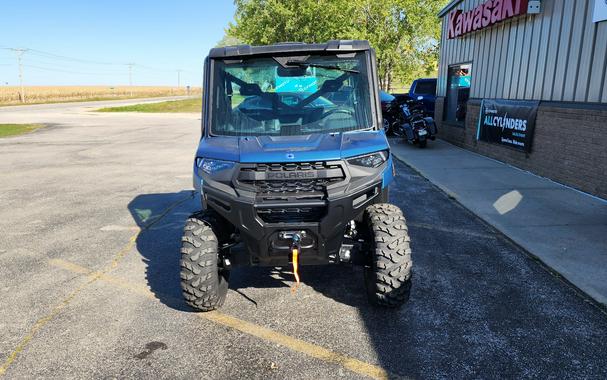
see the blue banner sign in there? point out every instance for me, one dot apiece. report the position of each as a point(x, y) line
point(507, 122)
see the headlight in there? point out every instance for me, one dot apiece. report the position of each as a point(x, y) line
point(211, 166)
point(372, 160)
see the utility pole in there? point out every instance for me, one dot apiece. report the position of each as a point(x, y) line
point(19, 53)
point(130, 65)
point(179, 78)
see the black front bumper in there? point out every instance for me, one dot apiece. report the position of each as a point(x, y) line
point(323, 221)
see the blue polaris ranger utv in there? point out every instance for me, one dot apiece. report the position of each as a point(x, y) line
point(292, 169)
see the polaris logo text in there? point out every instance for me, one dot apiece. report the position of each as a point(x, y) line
point(291, 175)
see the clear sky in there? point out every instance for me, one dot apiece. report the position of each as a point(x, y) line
point(158, 36)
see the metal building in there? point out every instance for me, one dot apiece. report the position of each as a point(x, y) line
point(545, 61)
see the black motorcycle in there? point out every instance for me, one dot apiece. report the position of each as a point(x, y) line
point(404, 117)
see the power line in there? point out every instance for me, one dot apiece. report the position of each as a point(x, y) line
point(62, 57)
point(66, 58)
point(60, 62)
point(163, 70)
point(71, 71)
point(121, 73)
point(153, 68)
point(49, 65)
point(75, 67)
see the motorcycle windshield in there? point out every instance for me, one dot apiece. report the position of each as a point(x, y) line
point(288, 96)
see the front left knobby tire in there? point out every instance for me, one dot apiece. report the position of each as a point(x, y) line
point(203, 281)
point(388, 273)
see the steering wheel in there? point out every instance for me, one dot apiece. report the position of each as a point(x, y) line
point(347, 111)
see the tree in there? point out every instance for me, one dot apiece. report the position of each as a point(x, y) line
point(228, 40)
point(404, 33)
point(264, 22)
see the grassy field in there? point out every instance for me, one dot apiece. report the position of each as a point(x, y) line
point(7, 130)
point(9, 95)
point(186, 105)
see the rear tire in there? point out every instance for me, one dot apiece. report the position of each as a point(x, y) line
point(398, 131)
point(388, 276)
point(386, 125)
point(204, 283)
point(422, 143)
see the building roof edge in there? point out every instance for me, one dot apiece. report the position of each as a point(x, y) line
point(448, 7)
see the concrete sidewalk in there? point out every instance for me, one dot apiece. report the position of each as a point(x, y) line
point(563, 227)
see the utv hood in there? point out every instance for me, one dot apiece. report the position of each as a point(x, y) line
point(314, 147)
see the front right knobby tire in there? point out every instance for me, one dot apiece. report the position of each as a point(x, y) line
point(203, 281)
point(388, 275)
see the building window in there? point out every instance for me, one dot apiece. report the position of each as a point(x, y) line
point(458, 92)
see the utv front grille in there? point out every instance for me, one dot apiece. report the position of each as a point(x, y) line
point(293, 187)
point(291, 181)
point(291, 214)
point(292, 166)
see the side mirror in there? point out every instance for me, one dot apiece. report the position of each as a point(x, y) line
point(287, 72)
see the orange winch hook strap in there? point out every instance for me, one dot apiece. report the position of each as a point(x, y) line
point(295, 268)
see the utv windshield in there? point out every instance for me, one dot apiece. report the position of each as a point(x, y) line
point(287, 96)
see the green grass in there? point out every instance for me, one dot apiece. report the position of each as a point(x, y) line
point(7, 130)
point(81, 100)
point(187, 105)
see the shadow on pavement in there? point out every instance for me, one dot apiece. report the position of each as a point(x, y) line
point(161, 218)
point(480, 307)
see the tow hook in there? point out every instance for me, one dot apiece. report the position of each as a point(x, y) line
point(351, 230)
point(295, 248)
point(295, 251)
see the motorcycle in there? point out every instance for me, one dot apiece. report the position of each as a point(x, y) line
point(404, 117)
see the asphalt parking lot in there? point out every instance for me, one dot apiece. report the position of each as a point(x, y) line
point(91, 214)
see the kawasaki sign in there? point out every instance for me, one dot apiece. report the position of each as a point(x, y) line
point(486, 14)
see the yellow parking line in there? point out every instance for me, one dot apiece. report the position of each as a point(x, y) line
point(299, 345)
point(69, 266)
point(294, 344)
point(93, 276)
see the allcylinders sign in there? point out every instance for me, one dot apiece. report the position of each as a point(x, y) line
point(508, 122)
point(484, 15)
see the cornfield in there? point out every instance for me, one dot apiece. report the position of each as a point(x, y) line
point(9, 95)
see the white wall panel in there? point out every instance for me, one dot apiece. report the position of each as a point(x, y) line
point(558, 55)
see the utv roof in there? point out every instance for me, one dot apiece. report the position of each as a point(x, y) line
point(289, 47)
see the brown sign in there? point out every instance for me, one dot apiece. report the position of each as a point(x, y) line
point(486, 14)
